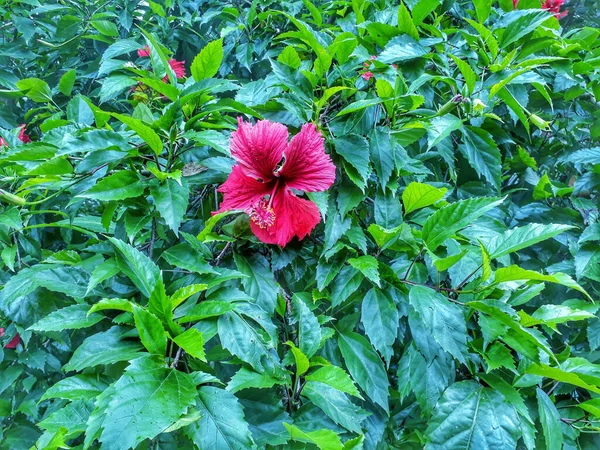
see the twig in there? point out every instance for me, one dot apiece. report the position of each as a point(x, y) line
point(436, 288)
point(412, 263)
point(152, 238)
point(220, 256)
point(19, 261)
point(178, 356)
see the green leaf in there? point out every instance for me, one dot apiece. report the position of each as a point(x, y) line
point(427, 375)
point(67, 81)
point(355, 150)
point(482, 9)
point(524, 338)
point(192, 342)
point(518, 238)
point(551, 315)
point(289, 57)
point(247, 342)
point(516, 273)
point(37, 90)
point(207, 309)
point(302, 363)
point(519, 23)
point(260, 282)
point(105, 27)
point(380, 319)
point(323, 439)
point(182, 294)
point(551, 423)
point(78, 387)
point(335, 377)
point(405, 22)
point(483, 154)
point(369, 267)
point(443, 319)
point(467, 72)
point(186, 257)
point(472, 417)
point(147, 134)
point(400, 49)
point(151, 331)
point(419, 195)
point(309, 330)
point(382, 154)
point(446, 221)
point(557, 374)
point(118, 186)
point(335, 404)
point(365, 366)
point(246, 379)
point(106, 347)
point(359, 105)
point(206, 63)
point(222, 425)
point(119, 304)
point(440, 128)
point(140, 269)
point(70, 318)
point(147, 399)
point(171, 201)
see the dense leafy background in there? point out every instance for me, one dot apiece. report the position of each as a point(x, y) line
point(447, 299)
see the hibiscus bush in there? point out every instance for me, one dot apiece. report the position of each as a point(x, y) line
point(342, 225)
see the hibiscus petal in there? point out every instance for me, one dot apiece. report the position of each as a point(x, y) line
point(242, 192)
point(294, 216)
point(259, 149)
point(307, 167)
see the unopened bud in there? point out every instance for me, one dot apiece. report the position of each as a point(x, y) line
point(11, 199)
point(539, 122)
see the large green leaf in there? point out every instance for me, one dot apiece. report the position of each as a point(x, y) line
point(222, 425)
point(69, 318)
point(171, 201)
point(335, 404)
point(106, 347)
point(140, 269)
point(472, 417)
point(419, 195)
point(380, 319)
point(147, 134)
point(518, 238)
point(206, 63)
point(446, 221)
point(365, 366)
point(443, 319)
point(551, 423)
point(118, 186)
point(147, 399)
point(259, 282)
point(483, 154)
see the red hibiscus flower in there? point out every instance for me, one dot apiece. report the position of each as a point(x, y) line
point(515, 3)
point(23, 137)
point(144, 51)
point(367, 75)
point(267, 168)
point(178, 67)
point(14, 342)
point(553, 6)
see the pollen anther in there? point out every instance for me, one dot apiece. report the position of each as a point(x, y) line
point(262, 214)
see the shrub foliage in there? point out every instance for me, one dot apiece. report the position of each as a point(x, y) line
point(444, 301)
